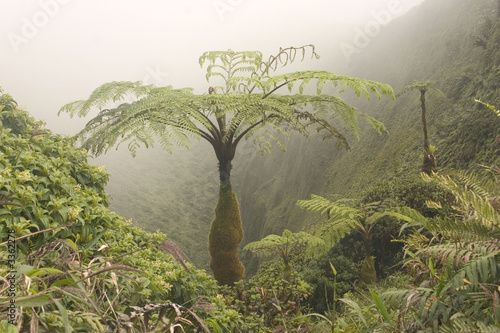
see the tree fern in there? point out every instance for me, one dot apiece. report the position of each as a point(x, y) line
point(343, 220)
point(282, 245)
point(429, 159)
point(243, 103)
point(328, 208)
point(287, 246)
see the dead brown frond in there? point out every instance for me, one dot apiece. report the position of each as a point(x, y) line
point(67, 258)
point(173, 249)
point(286, 56)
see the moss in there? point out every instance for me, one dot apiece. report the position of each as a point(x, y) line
point(367, 273)
point(225, 237)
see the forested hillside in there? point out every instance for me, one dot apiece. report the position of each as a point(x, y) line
point(374, 238)
point(450, 43)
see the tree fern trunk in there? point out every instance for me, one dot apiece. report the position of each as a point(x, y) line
point(226, 234)
point(287, 272)
point(429, 162)
point(225, 173)
point(368, 273)
point(424, 120)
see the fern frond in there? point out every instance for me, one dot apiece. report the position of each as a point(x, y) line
point(377, 125)
point(284, 244)
point(336, 229)
point(461, 231)
point(460, 323)
point(360, 87)
point(243, 106)
point(472, 199)
point(163, 114)
point(285, 57)
point(491, 107)
point(106, 93)
point(418, 85)
point(401, 299)
point(326, 207)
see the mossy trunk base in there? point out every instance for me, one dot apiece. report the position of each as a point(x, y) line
point(368, 273)
point(225, 237)
point(429, 164)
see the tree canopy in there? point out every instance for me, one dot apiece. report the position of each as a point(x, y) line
point(245, 104)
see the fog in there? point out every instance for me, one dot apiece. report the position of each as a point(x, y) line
point(57, 51)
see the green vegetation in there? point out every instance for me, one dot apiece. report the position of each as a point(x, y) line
point(245, 106)
point(224, 239)
point(288, 246)
point(71, 264)
point(408, 252)
point(454, 263)
point(342, 220)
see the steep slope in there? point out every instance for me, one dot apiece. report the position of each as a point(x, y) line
point(436, 41)
point(174, 195)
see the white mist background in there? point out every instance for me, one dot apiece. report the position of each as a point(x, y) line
point(57, 51)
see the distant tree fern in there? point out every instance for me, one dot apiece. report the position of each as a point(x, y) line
point(243, 103)
point(429, 160)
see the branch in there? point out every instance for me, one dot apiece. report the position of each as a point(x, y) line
point(276, 88)
point(3, 201)
point(216, 135)
point(242, 134)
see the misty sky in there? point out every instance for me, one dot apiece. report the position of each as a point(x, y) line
point(57, 51)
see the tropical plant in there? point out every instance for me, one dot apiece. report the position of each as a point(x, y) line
point(269, 303)
point(287, 246)
point(69, 263)
point(244, 105)
point(342, 220)
point(429, 161)
point(455, 263)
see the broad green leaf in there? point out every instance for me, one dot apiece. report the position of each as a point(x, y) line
point(64, 315)
point(333, 268)
point(381, 307)
point(33, 300)
point(72, 244)
point(41, 271)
